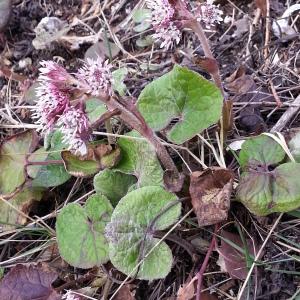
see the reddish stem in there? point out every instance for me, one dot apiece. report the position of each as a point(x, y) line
point(205, 263)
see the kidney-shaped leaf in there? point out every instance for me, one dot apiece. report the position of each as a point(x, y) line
point(261, 149)
point(113, 184)
point(80, 232)
point(138, 158)
point(185, 95)
point(130, 233)
point(264, 192)
point(13, 153)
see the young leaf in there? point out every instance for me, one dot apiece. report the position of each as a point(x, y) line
point(113, 184)
point(185, 95)
point(138, 158)
point(118, 78)
point(130, 233)
point(80, 232)
point(261, 149)
point(53, 174)
point(80, 167)
point(264, 192)
point(13, 154)
point(10, 218)
point(94, 109)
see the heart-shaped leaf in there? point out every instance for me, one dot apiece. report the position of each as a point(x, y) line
point(113, 184)
point(138, 158)
point(11, 218)
point(264, 192)
point(261, 149)
point(182, 94)
point(131, 232)
point(80, 232)
point(53, 174)
point(13, 154)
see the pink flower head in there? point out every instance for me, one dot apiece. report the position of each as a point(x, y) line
point(208, 13)
point(96, 77)
point(74, 126)
point(53, 72)
point(50, 105)
point(164, 23)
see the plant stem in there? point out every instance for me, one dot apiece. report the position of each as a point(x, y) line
point(197, 28)
point(205, 263)
point(45, 163)
point(130, 115)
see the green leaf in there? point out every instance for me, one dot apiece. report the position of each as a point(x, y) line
point(11, 218)
point(94, 109)
point(13, 153)
point(80, 167)
point(142, 26)
point(185, 95)
point(53, 174)
point(113, 184)
point(294, 146)
point(264, 192)
point(130, 232)
point(118, 78)
point(138, 158)
point(144, 41)
point(80, 232)
point(261, 149)
point(142, 14)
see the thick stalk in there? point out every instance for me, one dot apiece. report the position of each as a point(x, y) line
point(129, 117)
point(197, 28)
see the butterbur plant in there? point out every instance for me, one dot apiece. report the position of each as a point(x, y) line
point(123, 226)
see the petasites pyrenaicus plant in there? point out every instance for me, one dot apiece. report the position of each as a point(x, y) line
point(268, 184)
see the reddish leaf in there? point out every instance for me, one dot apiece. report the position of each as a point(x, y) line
point(210, 191)
point(125, 293)
point(232, 260)
point(31, 282)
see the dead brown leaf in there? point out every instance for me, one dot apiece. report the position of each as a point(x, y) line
point(230, 259)
point(210, 191)
point(32, 282)
point(187, 290)
point(125, 293)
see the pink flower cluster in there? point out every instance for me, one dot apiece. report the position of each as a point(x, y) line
point(168, 17)
point(54, 106)
point(208, 13)
point(163, 17)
